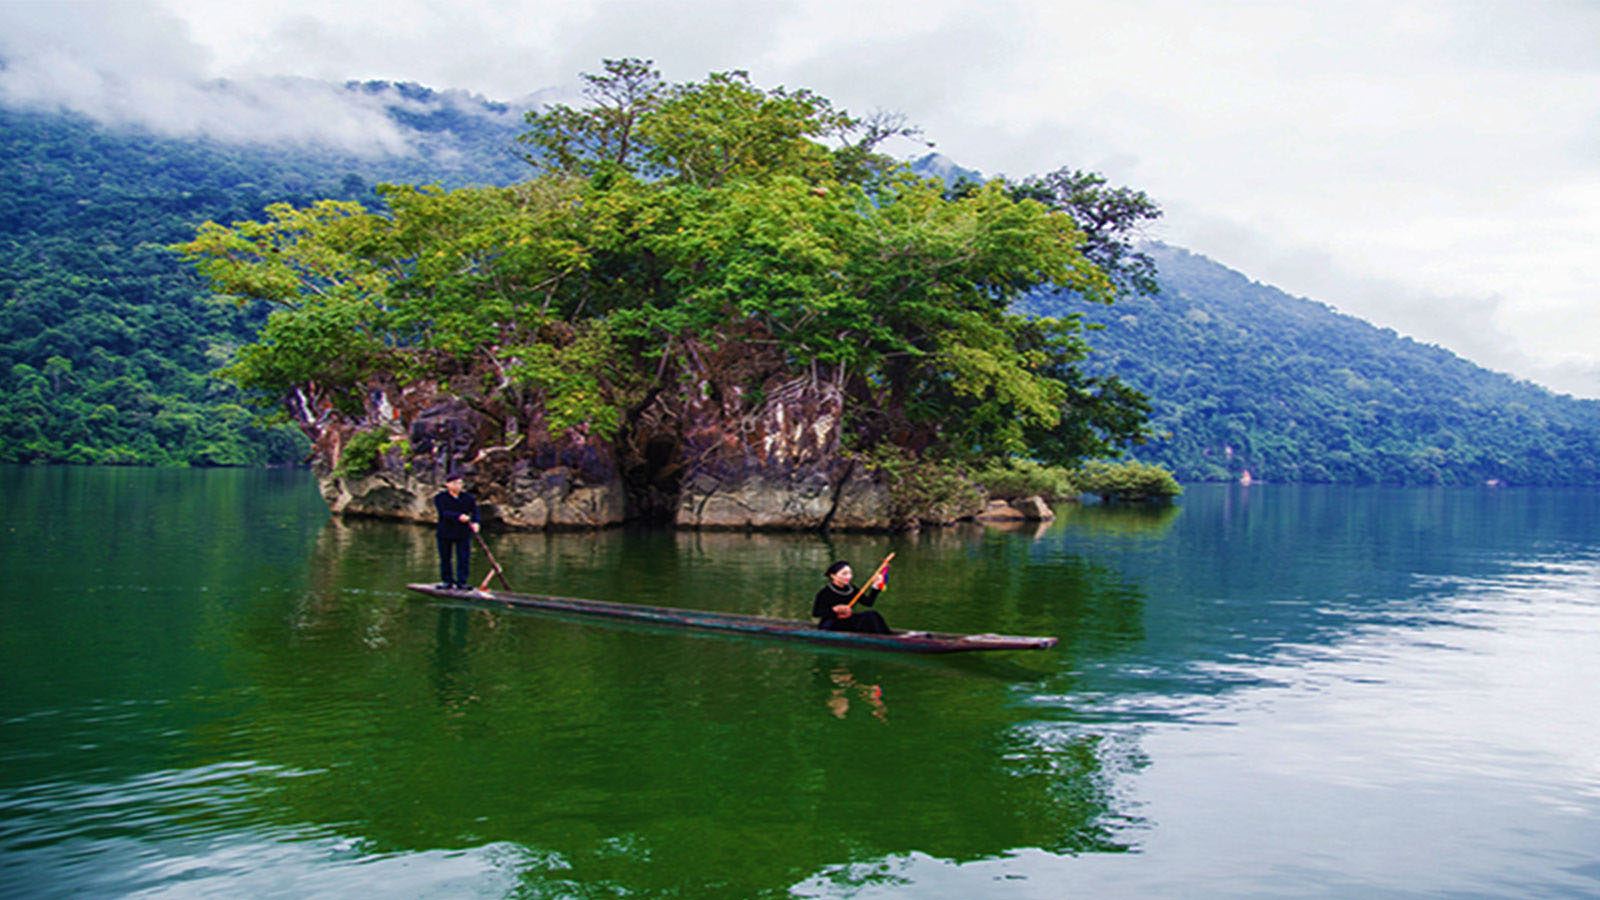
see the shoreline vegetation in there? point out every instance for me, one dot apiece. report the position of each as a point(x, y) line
point(712, 305)
point(110, 341)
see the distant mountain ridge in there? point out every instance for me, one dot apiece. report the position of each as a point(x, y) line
point(1246, 378)
point(106, 338)
point(937, 165)
point(1250, 383)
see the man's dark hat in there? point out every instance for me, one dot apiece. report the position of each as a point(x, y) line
point(456, 475)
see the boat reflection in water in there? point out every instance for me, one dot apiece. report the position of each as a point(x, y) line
point(229, 695)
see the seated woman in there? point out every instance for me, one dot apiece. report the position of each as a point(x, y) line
point(832, 607)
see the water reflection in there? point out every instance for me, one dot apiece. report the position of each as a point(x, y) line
point(1143, 521)
point(1020, 527)
point(845, 688)
point(256, 706)
point(450, 659)
point(574, 739)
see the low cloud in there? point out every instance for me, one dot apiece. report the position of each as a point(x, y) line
point(1484, 327)
point(1428, 165)
point(129, 65)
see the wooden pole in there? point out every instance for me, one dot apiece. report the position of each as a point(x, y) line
point(494, 566)
point(881, 566)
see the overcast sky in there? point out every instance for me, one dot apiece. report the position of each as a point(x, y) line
point(1430, 167)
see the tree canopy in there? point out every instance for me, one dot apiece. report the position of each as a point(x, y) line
point(668, 223)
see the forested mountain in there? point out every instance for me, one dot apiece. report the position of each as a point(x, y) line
point(107, 338)
point(1245, 377)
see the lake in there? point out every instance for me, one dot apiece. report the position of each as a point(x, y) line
point(210, 688)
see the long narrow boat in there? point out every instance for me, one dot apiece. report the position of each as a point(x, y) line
point(908, 641)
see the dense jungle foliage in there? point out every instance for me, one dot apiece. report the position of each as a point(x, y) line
point(1244, 377)
point(107, 338)
point(672, 224)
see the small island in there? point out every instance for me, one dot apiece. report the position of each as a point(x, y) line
point(712, 306)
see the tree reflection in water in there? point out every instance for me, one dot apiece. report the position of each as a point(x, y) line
point(653, 761)
point(227, 693)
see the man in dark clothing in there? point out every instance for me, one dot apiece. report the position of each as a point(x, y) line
point(458, 522)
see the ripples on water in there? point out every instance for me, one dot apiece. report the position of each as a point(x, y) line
point(195, 833)
point(1446, 744)
point(1318, 692)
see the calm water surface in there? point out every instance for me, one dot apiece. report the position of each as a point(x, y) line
point(208, 688)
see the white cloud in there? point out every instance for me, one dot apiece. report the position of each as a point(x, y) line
point(129, 64)
point(1431, 166)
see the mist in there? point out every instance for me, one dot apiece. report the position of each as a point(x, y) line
point(1426, 165)
point(137, 67)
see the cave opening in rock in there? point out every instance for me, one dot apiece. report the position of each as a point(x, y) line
point(654, 482)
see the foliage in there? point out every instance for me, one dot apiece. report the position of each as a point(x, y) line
point(361, 453)
point(599, 138)
point(106, 338)
point(703, 133)
point(574, 374)
point(672, 223)
point(1247, 378)
point(1012, 479)
point(1108, 217)
point(922, 489)
point(1127, 480)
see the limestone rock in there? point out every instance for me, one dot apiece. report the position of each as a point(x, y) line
point(1035, 509)
point(747, 446)
point(862, 505)
point(953, 510)
point(999, 511)
point(552, 500)
point(756, 501)
point(381, 495)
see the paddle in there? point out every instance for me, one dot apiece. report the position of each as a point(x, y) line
point(881, 566)
point(495, 566)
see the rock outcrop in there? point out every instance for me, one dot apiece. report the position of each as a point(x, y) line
point(774, 466)
point(421, 432)
point(1034, 509)
point(758, 501)
point(1028, 509)
point(720, 454)
point(1000, 511)
point(540, 499)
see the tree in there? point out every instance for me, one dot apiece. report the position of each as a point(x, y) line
point(1109, 219)
point(601, 136)
point(706, 133)
point(710, 234)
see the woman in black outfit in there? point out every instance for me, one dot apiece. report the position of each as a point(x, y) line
point(832, 607)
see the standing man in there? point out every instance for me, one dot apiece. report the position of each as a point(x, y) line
point(458, 522)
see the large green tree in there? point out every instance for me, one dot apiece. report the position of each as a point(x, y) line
point(673, 224)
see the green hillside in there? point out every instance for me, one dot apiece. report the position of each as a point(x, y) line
point(107, 338)
point(1244, 377)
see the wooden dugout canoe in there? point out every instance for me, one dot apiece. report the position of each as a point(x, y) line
point(906, 641)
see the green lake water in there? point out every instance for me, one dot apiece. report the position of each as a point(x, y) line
point(210, 688)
